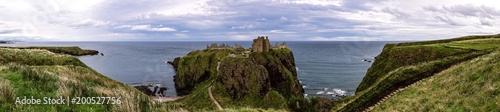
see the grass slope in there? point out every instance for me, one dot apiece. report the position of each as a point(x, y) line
point(71, 50)
point(470, 86)
point(40, 73)
point(402, 64)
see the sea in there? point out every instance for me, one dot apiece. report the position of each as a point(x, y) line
point(324, 68)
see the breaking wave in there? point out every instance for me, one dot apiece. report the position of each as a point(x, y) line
point(333, 92)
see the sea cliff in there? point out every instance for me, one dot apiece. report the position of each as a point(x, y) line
point(402, 66)
point(70, 50)
point(259, 77)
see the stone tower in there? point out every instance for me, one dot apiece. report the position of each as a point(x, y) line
point(261, 45)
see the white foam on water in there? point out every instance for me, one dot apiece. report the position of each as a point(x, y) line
point(320, 92)
point(338, 92)
point(304, 86)
point(329, 93)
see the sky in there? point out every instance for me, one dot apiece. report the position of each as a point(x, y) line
point(242, 20)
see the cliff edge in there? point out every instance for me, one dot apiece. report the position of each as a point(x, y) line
point(261, 77)
point(400, 68)
point(40, 74)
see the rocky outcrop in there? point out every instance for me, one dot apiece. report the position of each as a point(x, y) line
point(265, 73)
point(241, 77)
point(144, 89)
point(175, 63)
point(280, 65)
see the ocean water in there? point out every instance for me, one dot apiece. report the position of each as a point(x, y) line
point(324, 68)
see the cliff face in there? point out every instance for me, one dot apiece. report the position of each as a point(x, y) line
point(195, 68)
point(261, 72)
point(280, 65)
point(403, 64)
point(241, 77)
point(250, 77)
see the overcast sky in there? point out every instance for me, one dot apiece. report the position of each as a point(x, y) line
point(291, 20)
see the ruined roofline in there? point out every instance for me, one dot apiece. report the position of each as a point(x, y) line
point(260, 44)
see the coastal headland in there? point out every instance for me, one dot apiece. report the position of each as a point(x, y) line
point(263, 76)
point(458, 74)
point(70, 50)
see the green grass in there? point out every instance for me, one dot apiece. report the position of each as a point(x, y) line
point(202, 62)
point(465, 38)
point(401, 77)
point(36, 57)
point(470, 86)
point(393, 57)
point(71, 50)
point(40, 73)
point(402, 64)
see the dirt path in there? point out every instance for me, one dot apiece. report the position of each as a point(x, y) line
point(390, 95)
point(166, 99)
point(213, 99)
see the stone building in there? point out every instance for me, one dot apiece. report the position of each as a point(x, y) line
point(261, 45)
point(238, 48)
point(215, 46)
point(280, 46)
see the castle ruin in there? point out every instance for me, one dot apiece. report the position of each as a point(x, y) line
point(280, 46)
point(261, 45)
point(221, 46)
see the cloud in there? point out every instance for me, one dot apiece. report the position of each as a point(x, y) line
point(7, 31)
point(280, 31)
point(313, 2)
point(468, 14)
point(242, 37)
point(88, 23)
point(213, 20)
point(284, 18)
point(243, 27)
point(450, 21)
point(160, 28)
point(471, 11)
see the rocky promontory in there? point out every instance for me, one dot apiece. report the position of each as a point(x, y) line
point(251, 77)
point(70, 50)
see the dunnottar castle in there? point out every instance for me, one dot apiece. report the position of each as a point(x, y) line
point(260, 44)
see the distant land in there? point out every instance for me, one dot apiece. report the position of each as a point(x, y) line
point(6, 42)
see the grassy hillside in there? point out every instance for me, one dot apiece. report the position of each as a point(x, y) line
point(470, 86)
point(198, 70)
point(71, 50)
point(40, 73)
point(400, 65)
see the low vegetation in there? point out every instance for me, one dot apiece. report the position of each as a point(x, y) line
point(40, 73)
point(470, 86)
point(72, 50)
point(254, 81)
point(400, 65)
